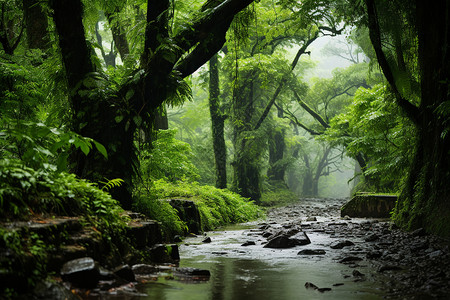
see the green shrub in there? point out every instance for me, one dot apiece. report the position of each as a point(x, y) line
point(217, 207)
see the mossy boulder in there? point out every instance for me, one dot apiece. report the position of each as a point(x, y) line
point(369, 206)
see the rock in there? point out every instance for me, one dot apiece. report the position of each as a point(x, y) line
point(338, 284)
point(311, 219)
point(384, 268)
point(374, 254)
point(188, 212)
point(248, 243)
point(435, 254)
point(286, 241)
point(125, 272)
point(207, 240)
point(51, 290)
point(144, 233)
point(81, 272)
point(371, 237)
point(369, 206)
point(162, 253)
point(177, 239)
point(341, 244)
point(311, 252)
point(144, 269)
point(357, 273)
point(310, 285)
point(191, 274)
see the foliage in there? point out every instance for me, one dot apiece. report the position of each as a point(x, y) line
point(26, 192)
point(37, 145)
point(168, 159)
point(372, 125)
point(217, 207)
point(276, 194)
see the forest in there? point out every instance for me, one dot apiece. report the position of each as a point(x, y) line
point(115, 108)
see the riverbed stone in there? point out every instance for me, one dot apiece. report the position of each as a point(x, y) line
point(82, 272)
point(311, 252)
point(125, 272)
point(287, 241)
point(248, 243)
point(341, 244)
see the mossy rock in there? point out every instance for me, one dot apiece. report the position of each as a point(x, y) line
point(369, 206)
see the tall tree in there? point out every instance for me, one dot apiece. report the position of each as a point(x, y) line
point(217, 124)
point(424, 201)
point(167, 58)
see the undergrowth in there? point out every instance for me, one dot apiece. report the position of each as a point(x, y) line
point(217, 206)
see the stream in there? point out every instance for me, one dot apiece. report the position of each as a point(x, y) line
point(254, 272)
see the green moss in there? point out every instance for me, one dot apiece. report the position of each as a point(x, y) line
point(217, 206)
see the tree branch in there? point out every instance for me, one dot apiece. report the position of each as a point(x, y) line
point(314, 114)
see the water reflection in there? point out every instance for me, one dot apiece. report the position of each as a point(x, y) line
point(257, 273)
point(243, 279)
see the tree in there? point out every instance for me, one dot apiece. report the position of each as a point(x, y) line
point(217, 124)
point(112, 117)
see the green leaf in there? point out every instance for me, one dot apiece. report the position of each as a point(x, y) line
point(118, 119)
point(101, 149)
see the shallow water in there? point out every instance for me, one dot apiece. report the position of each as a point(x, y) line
point(254, 272)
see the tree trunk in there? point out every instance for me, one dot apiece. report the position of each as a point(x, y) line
point(425, 202)
point(36, 23)
point(217, 124)
point(246, 172)
point(93, 117)
point(113, 122)
point(119, 37)
point(277, 146)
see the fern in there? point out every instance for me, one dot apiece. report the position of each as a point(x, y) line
point(116, 182)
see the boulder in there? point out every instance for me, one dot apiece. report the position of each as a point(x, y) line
point(145, 233)
point(286, 241)
point(188, 213)
point(341, 244)
point(82, 272)
point(125, 272)
point(369, 206)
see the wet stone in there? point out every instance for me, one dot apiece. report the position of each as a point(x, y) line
point(357, 273)
point(125, 272)
point(248, 243)
point(286, 241)
point(82, 272)
point(341, 244)
point(384, 268)
point(207, 240)
point(311, 252)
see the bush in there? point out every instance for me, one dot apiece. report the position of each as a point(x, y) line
point(217, 207)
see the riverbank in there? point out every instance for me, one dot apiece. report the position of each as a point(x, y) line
point(347, 258)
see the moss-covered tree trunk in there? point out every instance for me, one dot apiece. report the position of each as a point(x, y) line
point(217, 124)
point(246, 170)
point(425, 202)
point(93, 116)
point(277, 147)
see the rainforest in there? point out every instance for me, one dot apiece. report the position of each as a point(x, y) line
point(260, 149)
